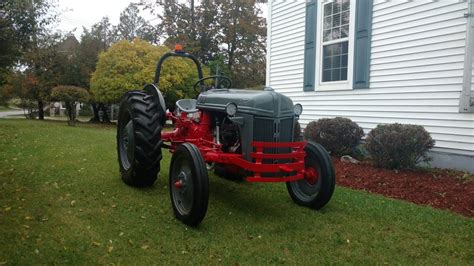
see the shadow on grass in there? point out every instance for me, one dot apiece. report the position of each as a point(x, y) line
point(244, 198)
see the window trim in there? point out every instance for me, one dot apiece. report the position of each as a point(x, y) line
point(342, 84)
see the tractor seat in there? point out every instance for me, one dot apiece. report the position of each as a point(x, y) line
point(187, 105)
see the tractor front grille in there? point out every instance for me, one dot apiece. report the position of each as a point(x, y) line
point(263, 129)
point(273, 130)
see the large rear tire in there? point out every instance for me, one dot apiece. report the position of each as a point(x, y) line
point(189, 184)
point(316, 189)
point(139, 138)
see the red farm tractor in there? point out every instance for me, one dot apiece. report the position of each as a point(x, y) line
point(246, 134)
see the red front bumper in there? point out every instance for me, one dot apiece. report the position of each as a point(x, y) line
point(292, 170)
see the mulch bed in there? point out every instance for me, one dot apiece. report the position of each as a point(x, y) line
point(439, 188)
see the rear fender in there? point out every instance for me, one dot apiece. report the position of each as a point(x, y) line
point(151, 89)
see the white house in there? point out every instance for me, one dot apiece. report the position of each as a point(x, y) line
point(379, 61)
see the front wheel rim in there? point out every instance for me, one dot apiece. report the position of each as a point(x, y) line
point(307, 189)
point(182, 188)
point(126, 144)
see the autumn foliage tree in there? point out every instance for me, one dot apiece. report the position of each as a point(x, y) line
point(24, 33)
point(130, 65)
point(234, 31)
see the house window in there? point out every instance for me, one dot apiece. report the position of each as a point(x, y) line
point(335, 40)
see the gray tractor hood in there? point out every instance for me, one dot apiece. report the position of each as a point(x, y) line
point(259, 103)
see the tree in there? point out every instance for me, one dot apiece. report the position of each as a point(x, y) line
point(8, 51)
point(193, 26)
point(233, 30)
point(24, 25)
point(49, 64)
point(7, 90)
point(93, 42)
point(25, 87)
point(104, 32)
point(243, 35)
point(70, 95)
point(132, 26)
point(130, 65)
point(20, 23)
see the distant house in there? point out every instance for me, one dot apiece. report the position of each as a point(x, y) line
point(380, 62)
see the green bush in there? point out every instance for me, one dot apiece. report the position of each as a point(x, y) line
point(70, 95)
point(86, 110)
point(398, 146)
point(338, 135)
point(30, 108)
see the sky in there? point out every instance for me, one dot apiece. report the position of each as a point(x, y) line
point(75, 14)
point(78, 13)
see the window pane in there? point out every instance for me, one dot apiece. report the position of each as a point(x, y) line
point(336, 20)
point(343, 73)
point(327, 75)
point(335, 62)
point(335, 33)
point(344, 47)
point(345, 18)
point(327, 23)
point(328, 9)
point(344, 61)
point(327, 64)
point(327, 35)
point(336, 74)
point(336, 48)
point(336, 7)
point(344, 31)
point(345, 5)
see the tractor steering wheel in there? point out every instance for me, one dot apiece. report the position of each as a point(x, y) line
point(222, 82)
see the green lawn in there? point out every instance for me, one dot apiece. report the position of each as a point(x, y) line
point(62, 202)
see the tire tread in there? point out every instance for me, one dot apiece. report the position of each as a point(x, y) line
point(145, 115)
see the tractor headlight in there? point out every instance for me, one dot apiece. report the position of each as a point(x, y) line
point(231, 109)
point(298, 108)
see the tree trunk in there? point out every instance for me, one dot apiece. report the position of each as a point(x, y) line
point(71, 113)
point(105, 116)
point(40, 110)
point(95, 110)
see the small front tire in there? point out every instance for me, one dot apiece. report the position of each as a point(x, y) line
point(189, 184)
point(316, 189)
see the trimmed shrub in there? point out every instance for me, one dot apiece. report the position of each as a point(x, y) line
point(70, 95)
point(398, 146)
point(338, 135)
point(360, 152)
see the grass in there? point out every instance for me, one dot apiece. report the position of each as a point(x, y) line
point(64, 118)
point(62, 202)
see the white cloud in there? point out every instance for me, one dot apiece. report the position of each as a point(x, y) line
point(76, 14)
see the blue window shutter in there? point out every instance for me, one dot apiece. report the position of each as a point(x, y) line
point(363, 33)
point(310, 47)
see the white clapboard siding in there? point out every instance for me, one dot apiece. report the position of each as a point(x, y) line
point(416, 73)
point(472, 78)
